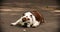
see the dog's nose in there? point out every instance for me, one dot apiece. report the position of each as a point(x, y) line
point(25, 25)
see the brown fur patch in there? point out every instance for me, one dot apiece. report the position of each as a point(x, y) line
point(24, 19)
point(38, 16)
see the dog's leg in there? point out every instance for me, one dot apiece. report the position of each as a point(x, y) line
point(15, 23)
point(35, 24)
point(28, 25)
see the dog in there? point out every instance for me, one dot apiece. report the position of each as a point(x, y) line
point(31, 18)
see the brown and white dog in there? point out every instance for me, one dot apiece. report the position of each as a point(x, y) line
point(32, 18)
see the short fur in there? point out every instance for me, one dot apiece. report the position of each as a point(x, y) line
point(33, 18)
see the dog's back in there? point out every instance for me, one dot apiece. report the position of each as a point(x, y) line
point(38, 16)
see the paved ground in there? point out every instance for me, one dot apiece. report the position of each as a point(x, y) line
point(8, 14)
point(6, 18)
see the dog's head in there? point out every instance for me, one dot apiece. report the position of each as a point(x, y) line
point(25, 20)
point(26, 16)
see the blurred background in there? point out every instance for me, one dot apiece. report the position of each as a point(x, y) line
point(12, 10)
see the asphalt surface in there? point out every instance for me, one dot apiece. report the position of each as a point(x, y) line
point(6, 18)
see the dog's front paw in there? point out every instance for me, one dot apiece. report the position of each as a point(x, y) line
point(13, 24)
point(28, 26)
point(34, 26)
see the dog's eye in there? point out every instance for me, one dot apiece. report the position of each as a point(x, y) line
point(30, 15)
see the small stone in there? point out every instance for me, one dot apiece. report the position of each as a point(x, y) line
point(24, 30)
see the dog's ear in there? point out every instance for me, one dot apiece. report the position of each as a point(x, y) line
point(24, 19)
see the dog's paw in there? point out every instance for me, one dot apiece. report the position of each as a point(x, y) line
point(13, 24)
point(34, 26)
point(28, 26)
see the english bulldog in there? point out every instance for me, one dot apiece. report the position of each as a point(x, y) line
point(31, 18)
